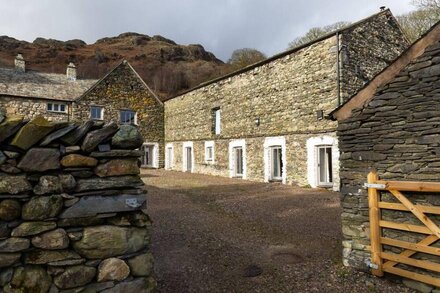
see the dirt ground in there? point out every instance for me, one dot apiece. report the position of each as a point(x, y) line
point(213, 234)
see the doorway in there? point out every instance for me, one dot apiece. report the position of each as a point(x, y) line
point(238, 160)
point(325, 168)
point(147, 158)
point(276, 163)
point(188, 156)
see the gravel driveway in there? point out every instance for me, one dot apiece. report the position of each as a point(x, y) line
point(213, 234)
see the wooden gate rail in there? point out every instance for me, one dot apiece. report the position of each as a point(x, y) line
point(387, 261)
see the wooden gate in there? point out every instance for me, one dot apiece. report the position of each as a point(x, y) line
point(387, 261)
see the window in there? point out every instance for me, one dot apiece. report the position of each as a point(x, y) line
point(57, 107)
point(216, 120)
point(96, 113)
point(209, 152)
point(128, 117)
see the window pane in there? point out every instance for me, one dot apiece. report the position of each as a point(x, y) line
point(96, 112)
point(63, 108)
point(49, 107)
point(217, 121)
point(128, 117)
point(55, 107)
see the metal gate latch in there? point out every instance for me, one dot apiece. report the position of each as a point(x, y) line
point(374, 185)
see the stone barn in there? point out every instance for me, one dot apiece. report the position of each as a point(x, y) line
point(392, 125)
point(267, 122)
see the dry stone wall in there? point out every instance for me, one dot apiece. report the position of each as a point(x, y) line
point(398, 134)
point(72, 208)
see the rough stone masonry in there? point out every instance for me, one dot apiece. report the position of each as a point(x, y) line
point(72, 208)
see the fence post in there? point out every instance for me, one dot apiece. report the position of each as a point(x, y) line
point(375, 232)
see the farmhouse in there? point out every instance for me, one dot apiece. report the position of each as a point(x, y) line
point(120, 96)
point(267, 122)
point(392, 125)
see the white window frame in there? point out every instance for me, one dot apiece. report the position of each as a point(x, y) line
point(135, 122)
point(232, 145)
point(101, 112)
point(269, 143)
point(58, 106)
point(169, 159)
point(185, 145)
point(312, 156)
point(209, 144)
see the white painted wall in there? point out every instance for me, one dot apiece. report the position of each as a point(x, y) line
point(312, 157)
point(232, 144)
point(269, 142)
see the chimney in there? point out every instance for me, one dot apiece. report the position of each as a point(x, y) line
point(20, 64)
point(71, 71)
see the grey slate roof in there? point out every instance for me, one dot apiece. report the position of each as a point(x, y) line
point(42, 85)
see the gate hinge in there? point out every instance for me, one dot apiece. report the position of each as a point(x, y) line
point(375, 185)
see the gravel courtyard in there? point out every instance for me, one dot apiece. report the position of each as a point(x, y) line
point(213, 234)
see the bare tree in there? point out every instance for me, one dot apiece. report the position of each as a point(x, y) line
point(316, 32)
point(415, 23)
point(243, 57)
point(427, 4)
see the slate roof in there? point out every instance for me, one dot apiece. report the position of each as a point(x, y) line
point(48, 86)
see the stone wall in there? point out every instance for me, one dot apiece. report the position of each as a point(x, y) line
point(72, 208)
point(398, 134)
point(367, 48)
point(123, 89)
point(32, 107)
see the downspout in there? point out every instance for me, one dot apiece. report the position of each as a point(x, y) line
point(338, 70)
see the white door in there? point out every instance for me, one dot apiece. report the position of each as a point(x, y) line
point(238, 159)
point(276, 163)
point(169, 158)
point(148, 156)
point(188, 152)
point(325, 168)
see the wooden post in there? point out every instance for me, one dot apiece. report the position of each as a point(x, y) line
point(375, 232)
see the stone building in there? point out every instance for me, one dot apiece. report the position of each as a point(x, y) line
point(121, 96)
point(267, 122)
point(391, 125)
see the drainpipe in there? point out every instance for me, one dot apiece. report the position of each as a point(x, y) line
point(338, 73)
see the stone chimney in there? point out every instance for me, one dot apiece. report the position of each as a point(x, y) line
point(71, 71)
point(20, 64)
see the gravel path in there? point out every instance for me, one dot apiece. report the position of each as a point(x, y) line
point(213, 234)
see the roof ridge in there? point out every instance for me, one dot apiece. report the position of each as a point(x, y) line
point(282, 54)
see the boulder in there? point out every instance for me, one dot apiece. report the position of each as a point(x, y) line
point(10, 126)
point(72, 149)
point(5, 231)
point(32, 228)
point(6, 276)
point(14, 184)
point(33, 132)
point(56, 239)
point(8, 259)
point(127, 137)
point(42, 207)
point(29, 279)
point(10, 210)
point(94, 138)
point(14, 244)
point(40, 160)
point(108, 241)
point(141, 265)
point(118, 167)
point(48, 184)
point(73, 137)
point(107, 183)
point(113, 269)
point(75, 161)
point(48, 256)
point(57, 134)
point(75, 276)
point(137, 219)
point(12, 155)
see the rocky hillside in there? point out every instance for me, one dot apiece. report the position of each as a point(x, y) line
point(168, 68)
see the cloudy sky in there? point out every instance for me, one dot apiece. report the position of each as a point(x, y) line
point(221, 26)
